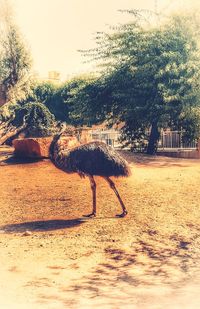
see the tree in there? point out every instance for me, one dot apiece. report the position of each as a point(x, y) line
point(38, 119)
point(150, 77)
point(82, 93)
point(55, 97)
point(43, 92)
point(58, 103)
point(15, 61)
point(189, 121)
point(61, 99)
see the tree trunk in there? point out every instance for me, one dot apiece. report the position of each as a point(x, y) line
point(11, 134)
point(2, 95)
point(153, 139)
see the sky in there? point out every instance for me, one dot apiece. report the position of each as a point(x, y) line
point(56, 29)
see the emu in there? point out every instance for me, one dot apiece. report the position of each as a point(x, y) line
point(89, 160)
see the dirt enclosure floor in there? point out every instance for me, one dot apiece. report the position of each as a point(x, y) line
point(53, 258)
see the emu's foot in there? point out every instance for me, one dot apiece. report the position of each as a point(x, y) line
point(123, 214)
point(93, 214)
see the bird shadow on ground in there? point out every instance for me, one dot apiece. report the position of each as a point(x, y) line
point(41, 226)
point(12, 160)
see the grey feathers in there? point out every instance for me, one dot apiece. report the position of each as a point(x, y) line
point(94, 158)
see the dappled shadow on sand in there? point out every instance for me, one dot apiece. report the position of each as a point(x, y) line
point(147, 270)
point(40, 226)
point(140, 266)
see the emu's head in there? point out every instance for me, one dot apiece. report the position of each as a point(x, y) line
point(63, 140)
point(56, 139)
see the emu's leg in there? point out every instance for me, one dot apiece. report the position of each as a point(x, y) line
point(93, 187)
point(112, 185)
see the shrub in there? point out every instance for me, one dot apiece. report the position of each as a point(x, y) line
point(38, 118)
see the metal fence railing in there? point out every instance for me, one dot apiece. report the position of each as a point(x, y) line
point(110, 136)
point(168, 139)
point(173, 139)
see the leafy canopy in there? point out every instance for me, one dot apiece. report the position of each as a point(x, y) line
point(15, 60)
point(39, 121)
point(150, 77)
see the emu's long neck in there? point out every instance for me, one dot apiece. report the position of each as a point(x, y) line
point(60, 149)
point(57, 150)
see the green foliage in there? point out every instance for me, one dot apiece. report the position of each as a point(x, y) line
point(15, 64)
point(190, 124)
point(51, 96)
point(61, 100)
point(82, 93)
point(37, 117)
point(44, 91)
point(151, 76)
point(7, 112)
point(59, 104)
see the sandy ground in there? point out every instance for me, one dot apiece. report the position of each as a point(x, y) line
point(150, 259)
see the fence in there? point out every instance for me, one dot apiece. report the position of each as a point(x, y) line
point(110, 136)
point(168, 139)
point(173, 139)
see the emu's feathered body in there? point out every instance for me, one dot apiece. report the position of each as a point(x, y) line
point(95, 158)
point(91, 159)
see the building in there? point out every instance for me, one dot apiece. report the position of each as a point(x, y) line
point(53, 76)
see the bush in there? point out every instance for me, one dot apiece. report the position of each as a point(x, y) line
point(38, 118)
point(7, 111)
